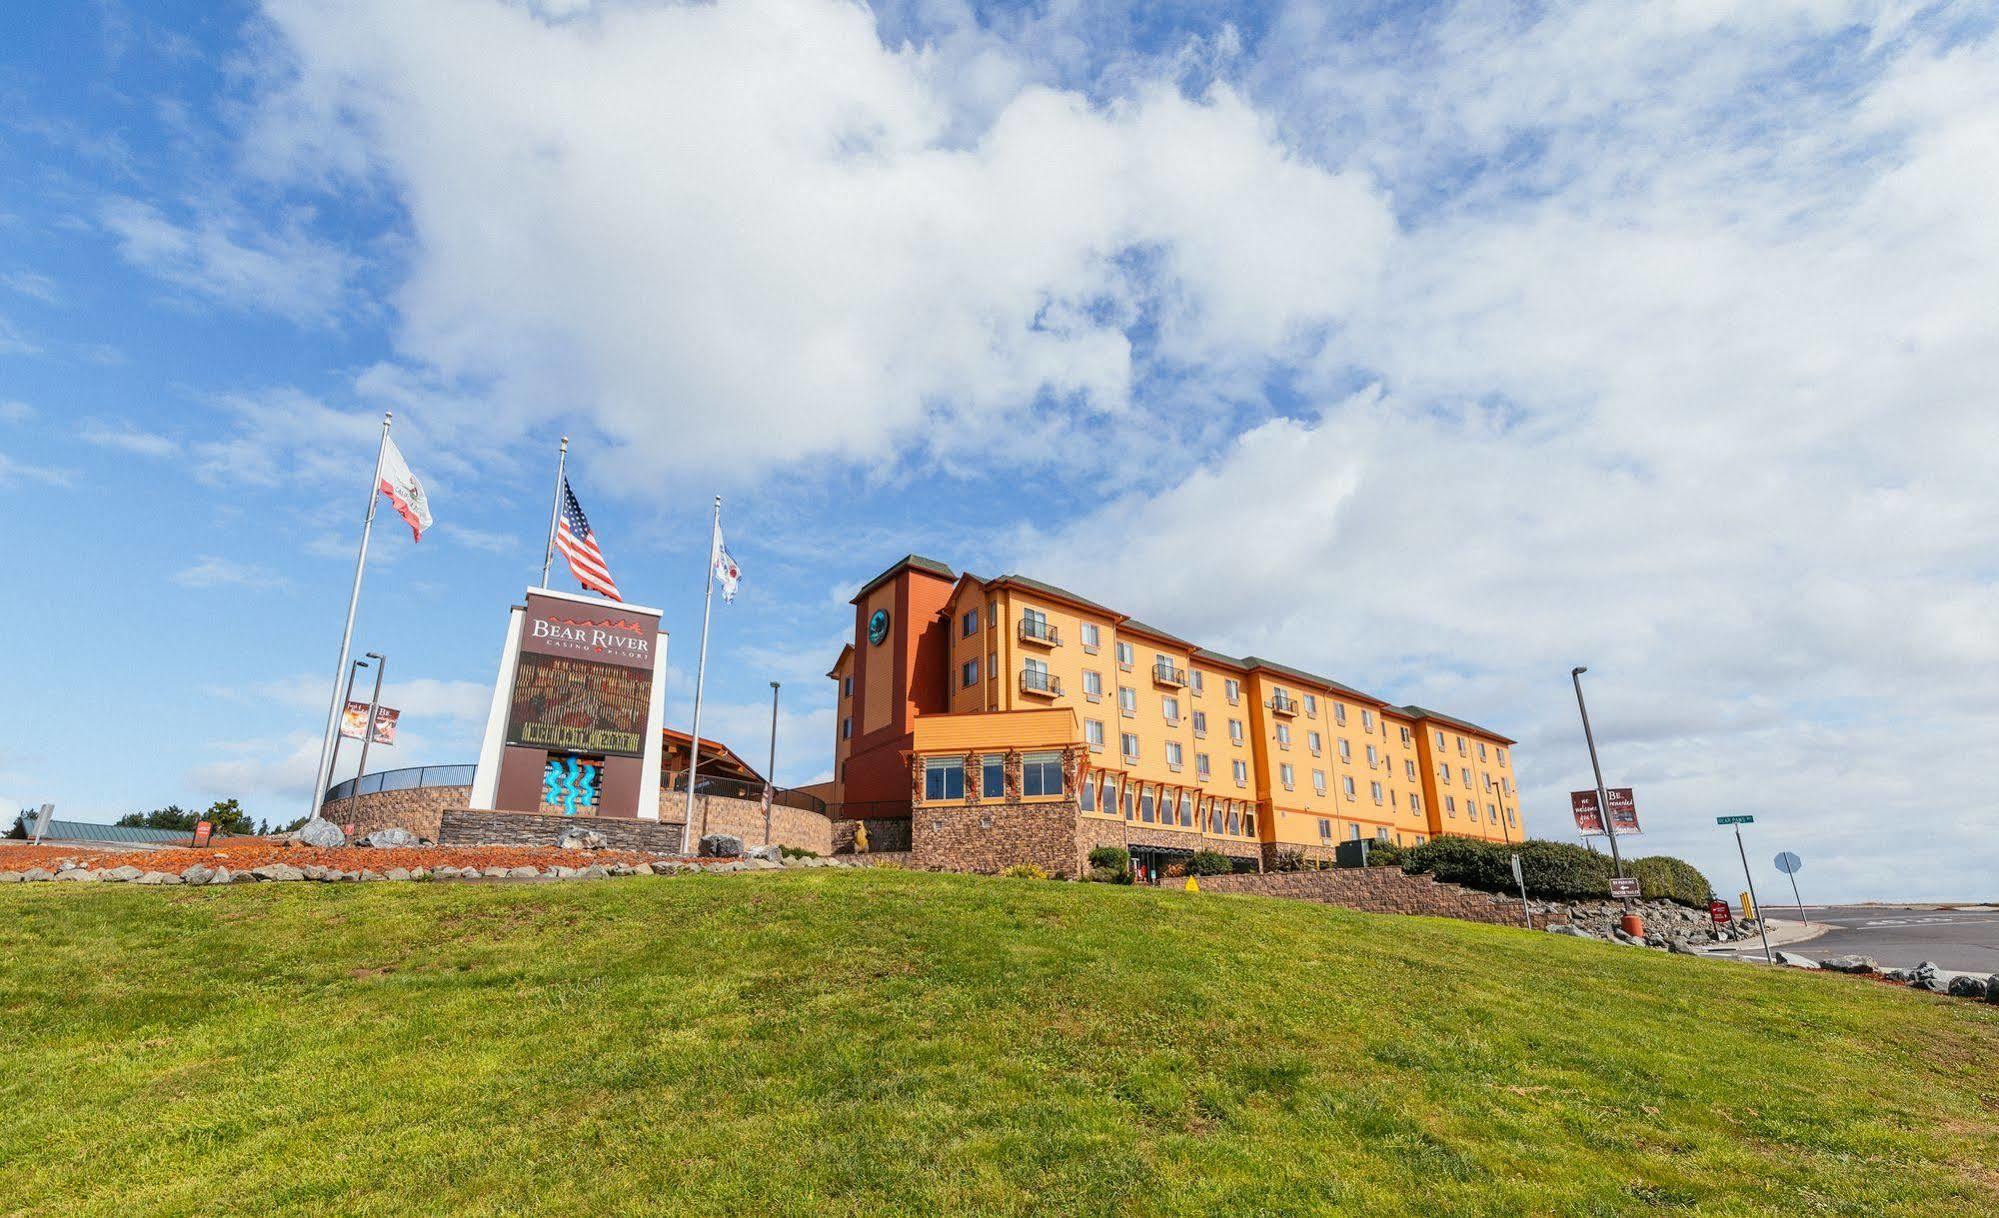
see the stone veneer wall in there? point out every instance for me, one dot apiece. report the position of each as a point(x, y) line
point(886, 835)
point(744, 818)
point(987, 838)
point(1375, 890)
point(1092, 832)
point(461, 827)
point(417, 809)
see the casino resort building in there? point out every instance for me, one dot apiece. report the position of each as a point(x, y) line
point(988, 722)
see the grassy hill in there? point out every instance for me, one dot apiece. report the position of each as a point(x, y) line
point(880, 1042)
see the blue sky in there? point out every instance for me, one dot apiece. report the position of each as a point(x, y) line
point(1435, 347)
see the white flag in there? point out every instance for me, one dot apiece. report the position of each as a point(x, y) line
point(404, 489)
point(726, 569)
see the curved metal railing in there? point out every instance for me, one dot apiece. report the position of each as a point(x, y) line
point(402, 780)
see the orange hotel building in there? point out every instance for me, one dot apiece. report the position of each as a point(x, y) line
point(985, 722)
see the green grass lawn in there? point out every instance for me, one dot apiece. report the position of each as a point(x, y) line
point(832, 1042)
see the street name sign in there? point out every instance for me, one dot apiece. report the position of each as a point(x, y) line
point(1734, 820)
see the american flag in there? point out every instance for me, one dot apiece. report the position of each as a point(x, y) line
point(579, 545)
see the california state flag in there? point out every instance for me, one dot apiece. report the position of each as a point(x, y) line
point(404, 489)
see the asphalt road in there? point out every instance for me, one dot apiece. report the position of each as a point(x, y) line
point(1899, 936)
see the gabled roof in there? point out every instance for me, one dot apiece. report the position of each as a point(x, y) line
point(1299, 674)
point(845, 651)
point(712, 750)
point(1216, 657)
point(1035, 585)
point(1424, 712)
point(1134, 626)
point(917, 561)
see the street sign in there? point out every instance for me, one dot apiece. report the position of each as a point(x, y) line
point(1734, 820)
point(203, 830)
point(1517, 877)
point(1626, 887)
point(1717, 910)
point(1790, 864)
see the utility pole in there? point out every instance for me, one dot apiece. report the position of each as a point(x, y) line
point(770, 769)
point(1762, 922)
point(1602, 796)
point(374, 705)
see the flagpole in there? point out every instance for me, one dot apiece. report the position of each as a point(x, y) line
point(321, 776)
point(700, 674)
point(554, 511)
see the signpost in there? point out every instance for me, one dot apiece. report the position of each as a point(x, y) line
point(1761, 922)
point(203, 830)
point(1790, 864)
point(1717, 912)
point(1624, 887)
point(1520, 878)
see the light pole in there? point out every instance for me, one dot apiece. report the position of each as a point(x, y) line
point(332, 766)
point(770, 769)
point(374, 704)
point(1602, 796)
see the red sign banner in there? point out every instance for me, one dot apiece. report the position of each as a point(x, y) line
point(1589, 814)
point(1717, 909)
point(1589, 817)
point(203, 830)
point(356, 714)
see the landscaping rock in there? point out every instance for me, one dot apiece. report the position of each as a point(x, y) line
point(772, 853)
point(1792, 960)
point(197, 874)
point(395, 873)
point(77, 875)
point(1927, 976)
point(393, 836)
point(10, 877)
point(494, 873)
point(370, 875)
point(592, 872)
point(223, 876)
point(277, 873)
point(666, 868)
point(155, 877)
point(123, 875)
point(1992, 989)
point(522, 873)
point(36, 873)
point(582, 839)
point(317, 873)
point(1966, 987)
point(1850, 964)
point(322, 833)
point(721, 846)
point(1683, 948)
point(1895, 974)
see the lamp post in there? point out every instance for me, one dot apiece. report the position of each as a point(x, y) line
point(374, 704)
point(770, 769)
point(332, 766)
point(1602, 796)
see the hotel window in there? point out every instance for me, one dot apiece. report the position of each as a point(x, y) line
point(1249, 823)
point(1409, 768)
point(1170, 707)
point(1041, 774)
point(1086, 799)
point(1340, 713)
point(1440, 740)
point(1093, 685)
point(1235, 821)
point(1286, 775)
point(1415, 802)
point(1127, 700)
point(1200, 725)
point(1319, 781)
point(1093, 733)
point(846, 687)
point(1381, 833)
point(1481, 750)
point(1124, 656)
point(970, 673)
point(1311, 706)
point(1129, 800)
point(1492, 814)
point(1241, 769)
point(1499, 754)
point(1484, 781)
point(1034, 624)
point(1444, 772)
point(1173, 755)
point(1235, 730)
point(1353, 833)
point(1391, 799)
point(1201, 769)
point(1511, 819)
point(1283, 735)
point(1405, 736)
point(1325, 830)
point(1374, 789)
point(943, 778)
point(1091, 638)
point(1312, 742)
point(1214, 817)
point(847, 728)
point(992, 776)
point(1346, 750)
point(1366, 720)
point(1232, 689)
point(1451, 805)
point(1145, 805)
point(1346, 783)
point(971, 622)
point(1461, 746)
point(1195, 683)
point(1186, 809)
point(1036, 676)
point(1128, 742)
point(1467, 773)
point(1373, 757)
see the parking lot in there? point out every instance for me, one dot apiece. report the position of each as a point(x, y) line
point(1959, 939)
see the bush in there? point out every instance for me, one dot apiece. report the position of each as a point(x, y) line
point(1110, 865)
point(1664, 878)
point(1386, 854)
point(1210, 862)
point(1024, 871)
point(1289, 860)
point(797, 852)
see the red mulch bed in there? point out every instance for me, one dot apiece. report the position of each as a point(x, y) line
point(241, 854)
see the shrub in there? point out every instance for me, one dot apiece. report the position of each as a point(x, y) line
point(1288, 860)
point(797, 852)
point(1210, 862)
point(1024, 871)
point(1110, 865)
point(1386, 854)
point(1662, 877)
point(1108, 875)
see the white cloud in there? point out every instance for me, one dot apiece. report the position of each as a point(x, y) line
point(125, 437)
point(232, 262)
point(753, 232)
point(211, 571)
point(13, 410)
point(19, 473)
point(32, 284)
point(480, 539)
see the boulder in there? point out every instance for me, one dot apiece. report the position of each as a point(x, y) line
point(522, 873)
point(10, 877)
point(223, 876)
point(1928, 977)
point(1992, 989)
point(370, 875)
point(1895, 974)
point(592, 872)
point(772, 853)
point(322, 833)
point(36, 873)
point(1966, 987)
point(314, 872)
point(666, 868)
point(77, 875)
point(123, 875)
point(576, 838)
point(157, 877)
point(721, 846)
point(392, 837)
point(1682, 947)
point(1850, 964)
point(277, 873)
point(1793, 960)
point(395, 873)
point(197, 874)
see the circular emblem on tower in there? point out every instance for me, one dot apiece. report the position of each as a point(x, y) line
point(878, 626)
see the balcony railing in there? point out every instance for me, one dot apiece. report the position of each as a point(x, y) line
point(1046, 684)
point(1283, 704)
point(1034, 630)
point(1166, 674)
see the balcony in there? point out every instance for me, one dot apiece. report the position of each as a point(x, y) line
point(1033, 630)
point(1166, 674)
point(1043, 684)
point(1283, 704)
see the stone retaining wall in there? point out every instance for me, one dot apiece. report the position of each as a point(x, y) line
point(885, 834)
point(987, 838)
point(461, 827)
point(416, 809)
point(1092, 832)
point(744, 818)
point(1376, 890)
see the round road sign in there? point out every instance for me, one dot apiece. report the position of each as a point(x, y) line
point(1790, 864)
